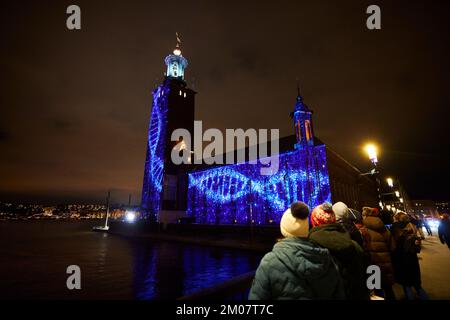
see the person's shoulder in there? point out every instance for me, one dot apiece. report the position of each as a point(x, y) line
point(268, 257)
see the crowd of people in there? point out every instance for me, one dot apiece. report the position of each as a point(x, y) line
point(325, 254)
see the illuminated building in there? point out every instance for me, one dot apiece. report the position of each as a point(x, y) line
point(238, 193)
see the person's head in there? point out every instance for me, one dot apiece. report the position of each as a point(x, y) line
point(401, 217)
point(294, 222)
point(386, 217)
point(370, 212)
point(323, 214)
point(340, 210)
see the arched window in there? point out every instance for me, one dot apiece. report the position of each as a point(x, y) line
point(308, 130)
point(298, 130)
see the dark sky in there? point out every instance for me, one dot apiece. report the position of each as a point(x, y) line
point(75, 105)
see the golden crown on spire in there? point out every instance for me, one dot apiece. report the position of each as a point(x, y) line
point(177, 50)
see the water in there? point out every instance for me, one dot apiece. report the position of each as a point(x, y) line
point(34, 257)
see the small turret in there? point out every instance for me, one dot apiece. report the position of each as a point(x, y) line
point(302, 117)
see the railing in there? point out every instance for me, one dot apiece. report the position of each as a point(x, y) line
point(236, 288)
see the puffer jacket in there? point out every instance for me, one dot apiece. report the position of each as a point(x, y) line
point(349, 256)
point(379, 243)
point(297, 268)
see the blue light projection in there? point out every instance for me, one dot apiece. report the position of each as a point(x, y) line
point(154, 162)
point(240, 194)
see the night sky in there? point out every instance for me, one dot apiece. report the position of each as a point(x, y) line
point(75, 105)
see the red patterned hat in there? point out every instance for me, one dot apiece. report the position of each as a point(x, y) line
point(323, 214)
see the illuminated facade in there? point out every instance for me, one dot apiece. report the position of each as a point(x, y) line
point(238, 194)
point(172, 107)
point(154, 162)
point(241, 194)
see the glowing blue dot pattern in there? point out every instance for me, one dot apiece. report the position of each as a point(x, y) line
point(154, 162)
point(240, 194)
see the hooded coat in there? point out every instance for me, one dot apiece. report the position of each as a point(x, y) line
point(349, 256)
point(406, 264)
point(379, 243)
point(297, 268)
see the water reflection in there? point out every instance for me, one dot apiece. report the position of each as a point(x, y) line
point(168, 270)
point(36, 256)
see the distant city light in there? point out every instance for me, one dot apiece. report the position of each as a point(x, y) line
point(397, 194)
point(401, 200)
point(434, 223)
point(130, 216)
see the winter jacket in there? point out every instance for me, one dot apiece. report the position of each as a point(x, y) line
point(297, 268)
point(406, 264)
point(349, 257)
point(352, 229)
point(444, 231)
point(379, 243)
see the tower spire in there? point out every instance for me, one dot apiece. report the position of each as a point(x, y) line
point(178, 40)
point(299, 97)
point(177, 50)
point(175, 62)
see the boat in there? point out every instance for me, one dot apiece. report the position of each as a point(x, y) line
point(104, 228)
point(100, 228)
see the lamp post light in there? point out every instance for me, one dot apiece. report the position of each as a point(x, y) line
point(390, 182)
point(397, 194)
point(372, 152)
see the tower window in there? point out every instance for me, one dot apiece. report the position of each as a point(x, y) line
point(180, 92)
point(185, 94)
point(308, 130)
point(299, 130)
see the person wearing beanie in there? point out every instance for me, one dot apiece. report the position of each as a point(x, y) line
point(297, 268)
point(294, 222)
point(380, 244)
point(348, 254)
point(323, 214)
point(348, 218)
point(370, 212)
point(341, 211)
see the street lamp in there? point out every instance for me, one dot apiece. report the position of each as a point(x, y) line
point(390, 182)
point(397, 194)
point(371, 150)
